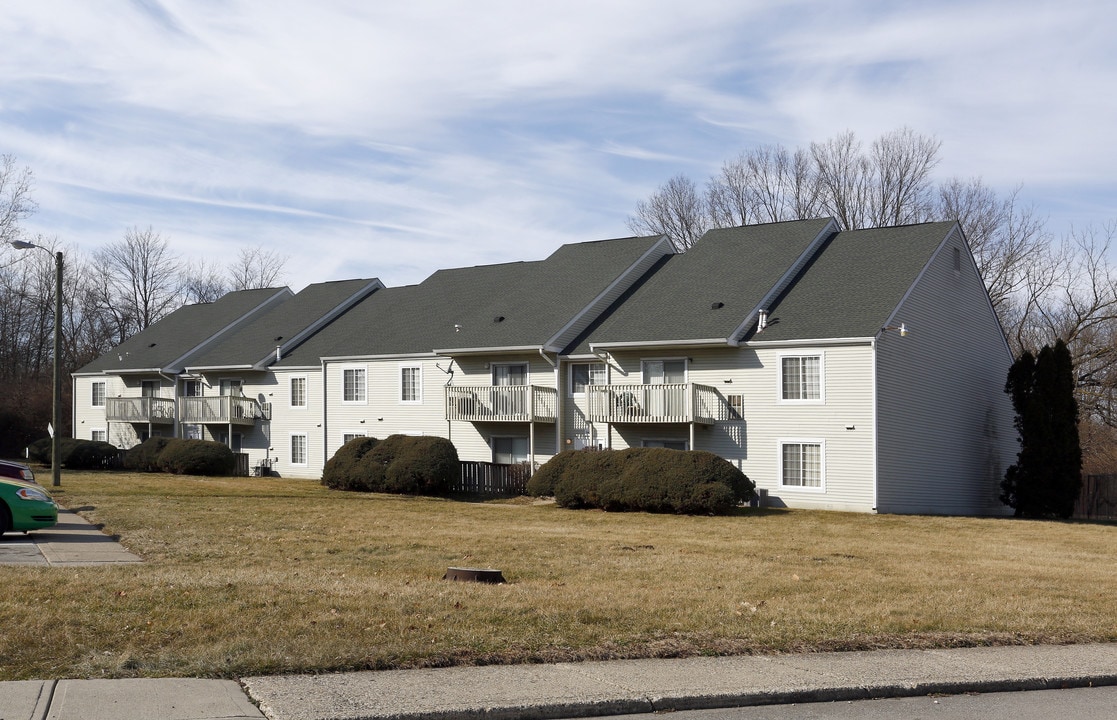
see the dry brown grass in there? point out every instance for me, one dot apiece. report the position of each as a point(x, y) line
point(251, 576)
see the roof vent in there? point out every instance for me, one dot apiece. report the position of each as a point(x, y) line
point(761, 320)
point(717, 306)
point(498, 318)
point(151, 345)
point(278, 338)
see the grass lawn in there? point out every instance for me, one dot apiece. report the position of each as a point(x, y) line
point(262, 575)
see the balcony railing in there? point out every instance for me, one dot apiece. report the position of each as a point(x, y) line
point(501, 403)
point(673, 403)
point(140, 410)
point(223, 409)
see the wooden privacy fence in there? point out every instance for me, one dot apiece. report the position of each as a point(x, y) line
point(1098, 498)
point(483, 478)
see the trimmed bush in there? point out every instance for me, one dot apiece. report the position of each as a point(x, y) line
point(40, 450)
point(648, 479)
point(542, 482)
point(145, 456)
point(402, 464)
point(342, 471)
point(197, 457)
point(92, 455)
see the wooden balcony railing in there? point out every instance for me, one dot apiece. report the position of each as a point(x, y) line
point(222, 409)
point(501, 403)
point(671, 403)
point(140, 410)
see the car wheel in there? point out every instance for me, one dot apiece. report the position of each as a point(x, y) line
point(5, 519)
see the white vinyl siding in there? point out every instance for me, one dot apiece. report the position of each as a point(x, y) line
point(97, 395)
point(354, 385)
point(411, 384)
point(298, 392)
point(801, 378)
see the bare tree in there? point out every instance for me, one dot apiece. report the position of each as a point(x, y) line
point(766, 184)
point(676, 210)
point(15, 198)
point(257, 268)
point(204, 282)
point(138, 280)
point(901, 163)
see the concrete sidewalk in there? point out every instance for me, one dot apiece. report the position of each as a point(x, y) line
point(568, 690)
point(73, 542)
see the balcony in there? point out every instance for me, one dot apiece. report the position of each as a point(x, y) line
point(674, 403)
point(502, 403)
point(153, 410)
point(222, 409)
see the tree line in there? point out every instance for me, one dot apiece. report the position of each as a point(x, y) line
point(108, 295)
point(1043, 288)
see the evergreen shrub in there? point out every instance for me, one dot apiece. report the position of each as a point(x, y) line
point(403, 464)
point(342, 470)
point(197, 457)
point(145, 456)
point(92, 455)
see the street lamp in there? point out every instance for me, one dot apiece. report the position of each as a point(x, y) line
point(56, 411)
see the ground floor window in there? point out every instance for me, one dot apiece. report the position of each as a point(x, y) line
point(298, 449)
point(192, 432)
point(510, 450)
point(801, 464)
point(669, 444)
point(99, 436)
point(350, 436)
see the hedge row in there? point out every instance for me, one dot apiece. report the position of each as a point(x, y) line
point(181, 457)
point(648, 479)
point(405, 464)
point(76, 454)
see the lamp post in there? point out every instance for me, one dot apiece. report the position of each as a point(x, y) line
point(56, 410)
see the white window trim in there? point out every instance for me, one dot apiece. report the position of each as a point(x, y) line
point(821, 399)
point(570, 376)
point(93, 395)
point(494, 438)
point(306, 392)
point(94, 431)
point(306, 449)
point(355, 433)
point(527, 371)
point(644, 361)
point(821, 464)
point(419, 388)
point(239, 386)
point(201, 387)
point(341, 379)
point(158, 392)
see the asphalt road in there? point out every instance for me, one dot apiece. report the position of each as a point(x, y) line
point(1077, 704)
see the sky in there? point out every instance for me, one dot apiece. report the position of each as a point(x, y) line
point(364, 138)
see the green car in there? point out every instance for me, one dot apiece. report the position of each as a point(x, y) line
point(25, 506)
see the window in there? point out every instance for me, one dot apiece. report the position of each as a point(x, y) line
point(192, 388)
point(298, 449)
point(664, 372)
point(98, 394)
point(149, 388)
point(99, 435)
point(350, 436)
point(353, 385)
point(801, 464)
point(583, 374)
point(510, 450)
point(736, 406)
point(298, 392)
point(801, 377)
point(669, 444)
point(510, 374)
point(410, 384)
point(230, 386)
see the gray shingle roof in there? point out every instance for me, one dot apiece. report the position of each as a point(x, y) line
point(732, 268)
point(281, 324)
point(535, 299)
point(855, 282)
point(163, 343)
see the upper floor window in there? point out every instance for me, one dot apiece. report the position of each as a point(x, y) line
point(411, 384)
point(298, 392)
point(584, 374)
point(191, 388)
point(510, 374)
point(98, 394)
point(149, 388)
point(801, 377)
point(664, 372)
point(230, 386)
point(353, 387)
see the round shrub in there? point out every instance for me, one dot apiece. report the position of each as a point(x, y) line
point(424, 465)
point(145, 456)
point(342, 471)
point(92, 455)
point(40, 450)
point(542, 482)
point(197, 457)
